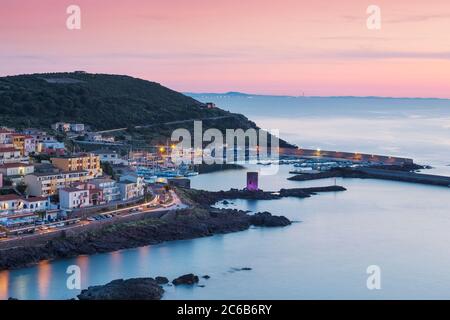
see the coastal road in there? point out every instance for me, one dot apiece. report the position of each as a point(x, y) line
point(164, 123)
point(174, 204)
point(182, 121)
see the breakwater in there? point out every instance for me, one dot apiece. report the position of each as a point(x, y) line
point(353, 156)
point(376, 173)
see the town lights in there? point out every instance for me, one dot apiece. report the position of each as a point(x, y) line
point(162, 149)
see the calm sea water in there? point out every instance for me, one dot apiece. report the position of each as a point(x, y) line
point(402, 228)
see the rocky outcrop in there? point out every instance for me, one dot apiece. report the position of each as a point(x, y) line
point(188, 279)
point(131, 289)
point(161, 280)
point(265, 219)
point(209, 198)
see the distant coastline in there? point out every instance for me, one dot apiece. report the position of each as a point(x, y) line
point(244, 94)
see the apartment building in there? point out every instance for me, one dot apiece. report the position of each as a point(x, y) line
point(61, 126)
point(15, 172)
point(130, 190)
point(131, 186)
point(79, 162)
point(110, 156)
point(77, 127)
point(5, 136)
point(109, 188)
point(51, 147)
point(17, 210)
point(47, 184)
point(71, 198)
point(10, 154)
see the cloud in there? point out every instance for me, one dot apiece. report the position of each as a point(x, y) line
point(359, 54)
point(418, 18)
point(399, 18)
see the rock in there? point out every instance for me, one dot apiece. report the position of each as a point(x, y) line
point(131, 289)
point(12, 299)
point(161, 280)
point(201, 285)
point(188, 279)
point(246, 269)
point(266, 219)
point(225, 202)
point(206, 277)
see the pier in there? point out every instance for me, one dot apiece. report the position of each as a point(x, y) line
point(339, 155)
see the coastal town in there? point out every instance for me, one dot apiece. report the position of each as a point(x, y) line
point(45, 187)
point(48, 184)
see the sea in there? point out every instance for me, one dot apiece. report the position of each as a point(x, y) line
point(336, 241)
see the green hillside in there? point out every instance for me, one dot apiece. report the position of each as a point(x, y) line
point(103, 102)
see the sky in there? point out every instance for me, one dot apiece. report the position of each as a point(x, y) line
point(293, 47)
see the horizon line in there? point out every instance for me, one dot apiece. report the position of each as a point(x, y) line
point(238, 93)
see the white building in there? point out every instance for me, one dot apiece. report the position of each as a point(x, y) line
point(71, 198)
point(108, 187)
point(16, 210)
point(16, 169)
point(10, 154)
point(5, 136)
point(77, 127)
point(30, 144)
point(110, 156)
point(131, 190)
point(61, 126)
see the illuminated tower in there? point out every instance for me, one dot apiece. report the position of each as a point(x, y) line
point(252, 181)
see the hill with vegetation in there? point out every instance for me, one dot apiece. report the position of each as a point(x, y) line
point(103, 102)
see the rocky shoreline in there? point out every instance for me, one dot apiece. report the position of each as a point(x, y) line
point(209, 198)
point(177, 225)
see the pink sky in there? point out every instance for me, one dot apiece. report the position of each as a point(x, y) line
point(258, 46)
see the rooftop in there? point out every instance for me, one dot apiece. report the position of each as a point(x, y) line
point(45, 174)
point(8, 149)
point(76, 155)
point(72, 189)
point(10, 197)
